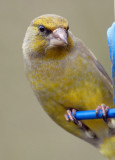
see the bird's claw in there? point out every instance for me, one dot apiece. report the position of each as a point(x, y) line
point(104, 110)
point(109, 122)
point(70, 117)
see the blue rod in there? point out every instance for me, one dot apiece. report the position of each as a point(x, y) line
point(91, 114)
point(111, 43)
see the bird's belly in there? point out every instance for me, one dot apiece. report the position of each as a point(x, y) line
point(56, 104)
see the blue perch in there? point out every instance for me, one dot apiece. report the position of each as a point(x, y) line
point(85, 115)
point(111, 43)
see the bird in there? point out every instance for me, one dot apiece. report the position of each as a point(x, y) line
point(66, 77)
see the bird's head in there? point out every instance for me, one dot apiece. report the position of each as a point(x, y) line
point(47, 35)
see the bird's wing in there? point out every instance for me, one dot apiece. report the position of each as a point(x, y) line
point(80, 45)
point(102, 70)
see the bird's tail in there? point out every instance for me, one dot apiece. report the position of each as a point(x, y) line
point(107, 148)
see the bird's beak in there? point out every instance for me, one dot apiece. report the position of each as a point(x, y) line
point(59, 37)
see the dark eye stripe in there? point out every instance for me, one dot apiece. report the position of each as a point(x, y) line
point(68, 28)
point(48, 32)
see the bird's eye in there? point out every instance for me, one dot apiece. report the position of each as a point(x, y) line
point(42, 28)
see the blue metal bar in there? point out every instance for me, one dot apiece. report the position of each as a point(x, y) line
point(91, 114)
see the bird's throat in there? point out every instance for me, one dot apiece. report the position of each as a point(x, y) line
point(56, 53)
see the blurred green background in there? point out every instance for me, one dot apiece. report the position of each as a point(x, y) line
point(26, 132)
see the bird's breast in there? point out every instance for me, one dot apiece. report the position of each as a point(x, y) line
point(70, 82)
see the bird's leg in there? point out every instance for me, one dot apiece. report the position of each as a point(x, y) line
point(70, 117)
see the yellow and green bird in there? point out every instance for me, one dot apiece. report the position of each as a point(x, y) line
point(65, 76)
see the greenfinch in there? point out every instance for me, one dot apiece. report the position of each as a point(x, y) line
point(65, 76)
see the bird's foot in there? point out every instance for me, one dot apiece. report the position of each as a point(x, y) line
point(105, 111)
point(70, 117)
point(110, 122)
